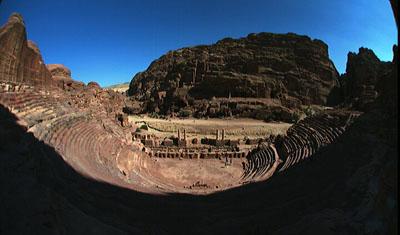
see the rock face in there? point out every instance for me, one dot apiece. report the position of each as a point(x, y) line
point(363, 72)
point(388, 87)
point(287, 68)
point(62, 77)
point(20, 59)
point(59, 72)
point(94, 85)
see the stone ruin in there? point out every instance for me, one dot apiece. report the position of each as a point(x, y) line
point(85, 124)
point(86, 130)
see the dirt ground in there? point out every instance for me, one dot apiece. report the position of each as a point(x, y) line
point(201, 176)
point(196, 175)
point(234, 128)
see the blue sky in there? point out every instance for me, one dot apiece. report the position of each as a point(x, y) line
point(109, 41)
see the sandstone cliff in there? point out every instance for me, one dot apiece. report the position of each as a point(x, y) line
point(364, 71)
point(59, 71)
point(286, 68)
point(62, 76)
point(20, 59)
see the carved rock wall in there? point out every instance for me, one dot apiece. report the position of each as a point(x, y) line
point(277, 66)
point(20, 59)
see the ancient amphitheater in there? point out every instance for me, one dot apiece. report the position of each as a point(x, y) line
point(72, 162)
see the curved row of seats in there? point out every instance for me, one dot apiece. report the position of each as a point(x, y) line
point(32, 107)
point(89, 143)
point(92, 144)
point(259, 161)
point(302, 141)
point(310, 135)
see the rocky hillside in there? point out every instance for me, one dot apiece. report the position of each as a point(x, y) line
point(364, 71)
point(286, 68)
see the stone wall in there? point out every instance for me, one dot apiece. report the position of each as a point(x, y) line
point(196, 154)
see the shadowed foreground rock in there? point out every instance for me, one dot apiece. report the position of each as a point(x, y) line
point(363, 73)
point(62, 76)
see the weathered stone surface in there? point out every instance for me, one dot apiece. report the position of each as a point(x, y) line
point(62, 77)
point(265, 65)
point(20, 59)
point(387, 88)
point(364, 71)
point(93, 85)
point(59, 71)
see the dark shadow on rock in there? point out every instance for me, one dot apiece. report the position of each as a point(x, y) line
point(335, 96)
point(42, 194)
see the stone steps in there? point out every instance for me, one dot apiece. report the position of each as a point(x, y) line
point(309, 135)
point(259, 162)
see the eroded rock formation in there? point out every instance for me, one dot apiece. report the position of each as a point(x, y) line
point(62, 77)
point(363, 73)
point(20, 59)
point(59, 72)
point(288, 69)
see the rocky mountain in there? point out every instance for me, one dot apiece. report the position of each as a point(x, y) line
point(364, 71)
point(287, 69)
